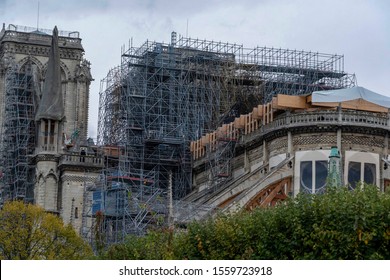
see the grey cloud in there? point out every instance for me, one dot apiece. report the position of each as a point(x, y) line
point(359, 29)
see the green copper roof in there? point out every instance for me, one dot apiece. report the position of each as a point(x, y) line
point(334, 152)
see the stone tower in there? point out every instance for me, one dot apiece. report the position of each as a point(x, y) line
point(24, 46)
point(44, 94)
point(49, 122)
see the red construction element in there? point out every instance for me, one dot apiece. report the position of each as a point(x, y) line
point(271, 195)
point(128, 179)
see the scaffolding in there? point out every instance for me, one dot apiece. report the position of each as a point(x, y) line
point(18, 134)
point(299, 72)
point(110, 120)
point(163, 96)
point(220, 152)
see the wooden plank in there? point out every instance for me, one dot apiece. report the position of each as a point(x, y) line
point(283, 101)
point(238, 123)
point(326, 104)
point(260, 112)
point(356, 104)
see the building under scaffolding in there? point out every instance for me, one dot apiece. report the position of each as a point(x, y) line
point(162, 96)
point(45, 158)
point(18, 137)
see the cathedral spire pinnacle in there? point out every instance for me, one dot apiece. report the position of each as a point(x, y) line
point(51, 104)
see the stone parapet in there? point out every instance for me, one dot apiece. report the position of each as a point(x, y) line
point(40, 39)
point(80, 161)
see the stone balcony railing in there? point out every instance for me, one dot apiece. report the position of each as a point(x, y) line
point(82, 161)
point(251, 128)
point(321, 118)
point(49, 148)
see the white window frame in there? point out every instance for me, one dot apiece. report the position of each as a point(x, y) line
point(362, 157)
point(311, 155)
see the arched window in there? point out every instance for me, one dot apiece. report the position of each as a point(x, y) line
point(313, 176)
point(361, 167)
point(311, 168)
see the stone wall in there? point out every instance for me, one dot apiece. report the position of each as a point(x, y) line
point(73, 184)
point(317, 141)
point(47, 187)
point(248, 158)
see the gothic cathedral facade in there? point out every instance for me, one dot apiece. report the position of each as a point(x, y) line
point(46, 157)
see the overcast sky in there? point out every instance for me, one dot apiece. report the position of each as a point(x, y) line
point(358, 29)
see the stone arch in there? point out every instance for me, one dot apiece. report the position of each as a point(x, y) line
point(32, 59)
point(53, 174)
point(65, 73)
point(65, 77)
point(40, 177)
point(39, 190)
point(32, 66)
point(51, 192)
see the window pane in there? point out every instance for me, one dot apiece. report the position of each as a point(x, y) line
point(353, 173)
point(321, 175)
point(369, 173)
point(306, 176)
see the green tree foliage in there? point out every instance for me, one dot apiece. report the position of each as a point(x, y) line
point(340, 224)
point(156, 245)
point(28, 232)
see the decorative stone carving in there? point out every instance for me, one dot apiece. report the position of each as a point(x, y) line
point(79, 179)
point(83, 72)
point(6, 62)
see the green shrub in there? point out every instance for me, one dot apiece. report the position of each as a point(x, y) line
point(339, 224)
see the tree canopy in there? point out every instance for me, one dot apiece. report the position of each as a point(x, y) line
point(28, 232)
point(339, 224)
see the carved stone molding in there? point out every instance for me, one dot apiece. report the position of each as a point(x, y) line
point(46, 157)
point(37, 50)
point(78, 178)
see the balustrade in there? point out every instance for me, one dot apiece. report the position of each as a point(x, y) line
point(327, 117)
point(301, 119)
point(81, 160)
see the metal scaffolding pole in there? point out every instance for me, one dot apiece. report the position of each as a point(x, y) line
point(18, 134)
